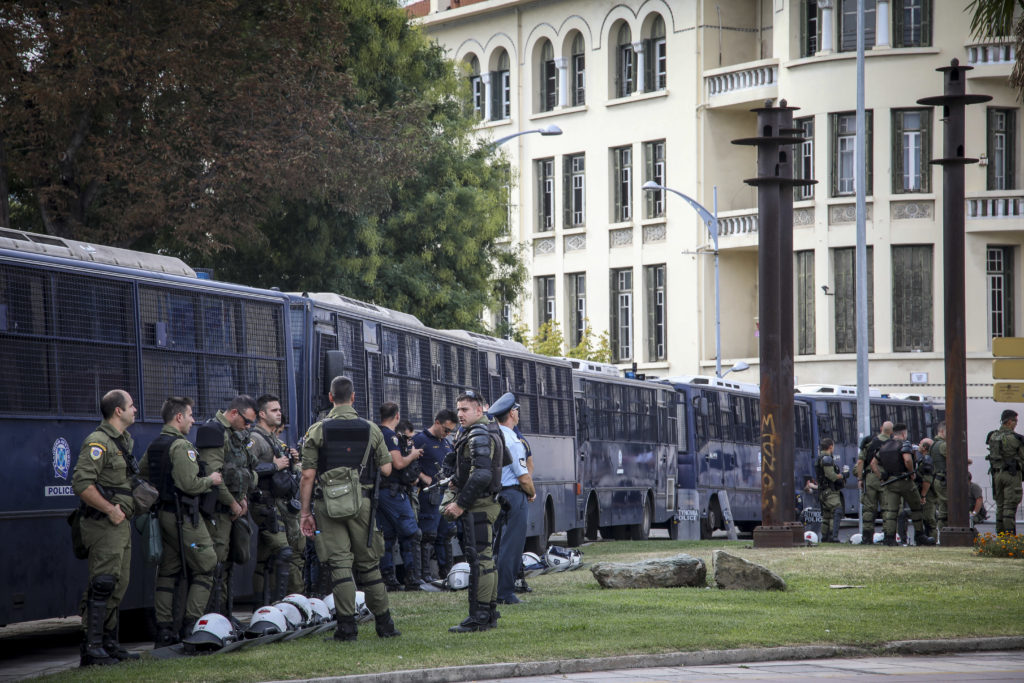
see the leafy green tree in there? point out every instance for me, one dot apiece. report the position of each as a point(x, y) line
point(549, 339)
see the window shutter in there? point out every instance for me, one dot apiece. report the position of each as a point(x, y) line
point(990, 145)
point(870, 154)
point(567, 191)
point(649, 65)
point(648, 175)
point(613, 315)
point(926, 150)
point(897, 152)
point(1011, 149)
point(650, 304)
point(496, 109)
point(538, 169)
point(834, 152)
point(616, 186)
point(926, 23)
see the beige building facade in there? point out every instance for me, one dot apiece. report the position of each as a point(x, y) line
point(656, 90)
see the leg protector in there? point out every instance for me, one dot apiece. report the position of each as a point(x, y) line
point(426, 552)
point(385, 626)
point(92, 651)
point(413, 571)
point(347, 630)
point(837, 516)
point(391, 582)
point(113, 647)
point(214, 604)
point(282, 565)
point(165, 635)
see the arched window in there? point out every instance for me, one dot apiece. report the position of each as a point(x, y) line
point(548, 78)
point(501, 89)
point(656, 58)
point(625, 63)
point(579, 74)
point(476, 85)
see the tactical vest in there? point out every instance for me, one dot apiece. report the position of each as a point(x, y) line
point(890, 458)
point(346, 444)
point(158, 454)
point(410, 474)
point(938, 454)
point(265, 483)
point(819, 470)
point(872, 451)
point(236, 462)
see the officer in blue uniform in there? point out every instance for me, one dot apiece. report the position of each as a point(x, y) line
point(394, 511)
point(516, 491)
point(435, 447)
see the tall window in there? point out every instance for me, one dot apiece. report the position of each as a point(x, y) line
point(656, 58)
point(621, 324)
point(625, 63)
point(545, 287)
point(911, 150)
point(501, 90)
point(912, 23)
point(844, 137)
point(843, 267)
point(999, 270)
point(809, 28)
point(576, 285)
point(803, 271)
point(803, 157)
point(912, 297)
point(544, 169)
point(476, 86)
point(654, 169)
point(574, 186)
point(1002, 149)
point(579, 72)
point(503, 322)
point(848, 25)
point(622, 181)
point(654, 280)
point(548, 78)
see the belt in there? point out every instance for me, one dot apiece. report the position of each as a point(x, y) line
point(517, 487)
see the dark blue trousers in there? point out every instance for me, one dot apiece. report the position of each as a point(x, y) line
point(510, 546)
point(397, 522)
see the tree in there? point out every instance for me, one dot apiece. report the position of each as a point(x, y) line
point(163, 123)
point(994, 18)
point(549, 339)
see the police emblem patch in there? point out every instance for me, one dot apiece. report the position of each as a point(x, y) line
point(96, 452)
point(191, 455)
point(522, 462)
point(394, 441)
point(61, 453)
point(251, 443)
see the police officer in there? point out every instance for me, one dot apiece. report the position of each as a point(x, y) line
point(102, 480)
point(340, 444)
point(222, 442)
point(830, 483)
point(925, 470)
point(977, 500)
point(938, 487)
point(172, 462)
point(395, 516)
point(478, 463)
point(869, 483)
point(432, 442)
point(275, 487)
point(289, 515)
point(894, 466)
point(516, 491)
point(1006, 460)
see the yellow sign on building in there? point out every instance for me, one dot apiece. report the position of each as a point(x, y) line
point(1008, 364)
point(1008, 347)
point(1008, 392)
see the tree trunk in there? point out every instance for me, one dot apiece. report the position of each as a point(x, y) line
point(5, 195)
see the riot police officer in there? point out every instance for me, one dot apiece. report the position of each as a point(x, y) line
point(894, 466)
point(335, 452)
point(186, 501)
point(478, 463)
point(938, 487)
point(830, 483)
point(869, 483)
point(1006, 461)
point(102, 480)
point(435, 447)
point(275, 487)
point(222, 442)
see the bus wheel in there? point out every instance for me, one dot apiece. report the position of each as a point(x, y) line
point(590, 521)
point(642, 531)
point(714, 515)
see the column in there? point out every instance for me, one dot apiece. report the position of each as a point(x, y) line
point(638, 50)
point(827, 25)
point(881, 24)
point(485, 79)
point(562, 64)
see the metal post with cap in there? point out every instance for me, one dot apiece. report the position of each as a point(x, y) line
point(953, 102)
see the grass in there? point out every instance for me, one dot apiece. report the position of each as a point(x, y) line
point(910, 593)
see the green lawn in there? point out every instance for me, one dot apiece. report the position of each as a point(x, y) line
point(909, 593)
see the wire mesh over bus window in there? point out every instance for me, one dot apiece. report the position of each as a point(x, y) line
point(29, 362)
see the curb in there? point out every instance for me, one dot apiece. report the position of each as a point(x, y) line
point(477, 672)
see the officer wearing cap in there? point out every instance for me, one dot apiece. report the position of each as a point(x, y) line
point(1006, 460)
point(101, 480)
point(516, 491)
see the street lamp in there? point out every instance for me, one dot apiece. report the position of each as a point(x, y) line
point(711, 221)
point(546, 130)
point(740, 366)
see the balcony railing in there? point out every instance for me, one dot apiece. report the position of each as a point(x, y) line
point(738, 223)
point(742, 77)
point(995, 207)
point(1001, 52)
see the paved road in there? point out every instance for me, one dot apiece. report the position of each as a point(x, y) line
point(978, 666)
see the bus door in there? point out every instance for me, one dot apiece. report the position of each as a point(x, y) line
point(374, 373)
point(709, 443)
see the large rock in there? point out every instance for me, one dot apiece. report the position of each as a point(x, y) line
point(735, 573)
point(666, 572)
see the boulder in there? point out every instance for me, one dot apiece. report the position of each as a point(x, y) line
point(735, 573)
point(666, 572)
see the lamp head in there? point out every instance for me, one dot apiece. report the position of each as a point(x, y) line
point(550, 130)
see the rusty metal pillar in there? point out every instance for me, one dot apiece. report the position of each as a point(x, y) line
point(953, 102)
point(774, 184)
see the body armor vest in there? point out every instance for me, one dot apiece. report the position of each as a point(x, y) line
point(890, 458)
point(265, 483)
point(160, 466)
point(346, 443)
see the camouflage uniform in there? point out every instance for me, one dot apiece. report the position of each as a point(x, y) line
point(1006, 459)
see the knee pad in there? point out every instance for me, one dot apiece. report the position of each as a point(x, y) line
point(284, 554)
point(103, 586)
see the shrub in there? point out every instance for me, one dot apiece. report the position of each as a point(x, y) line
point(1003, 545)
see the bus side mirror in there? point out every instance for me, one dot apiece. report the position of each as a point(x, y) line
point(334, 365)
point(700, 404)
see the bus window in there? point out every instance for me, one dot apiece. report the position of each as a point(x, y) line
point(681, 425)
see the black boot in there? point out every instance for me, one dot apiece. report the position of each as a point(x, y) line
point(113, 647)
point(391, 583)
point(282, 565)
point(92, 651)
point(478, 620)
point(165, 636)
point(890, 539)
point(187, 625)
point(385, 626)
point(495, 614)
point(867, 538)
point(426, 552)
point(922, 537)
point(347, 629)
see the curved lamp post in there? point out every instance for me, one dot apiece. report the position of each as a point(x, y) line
point(546, 130)
point(711, 221)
